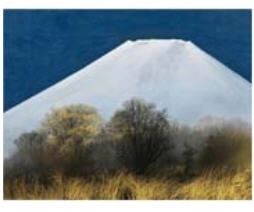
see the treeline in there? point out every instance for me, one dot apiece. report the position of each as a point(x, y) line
point(139, 138)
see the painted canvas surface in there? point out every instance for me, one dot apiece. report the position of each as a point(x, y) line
point(127, 104)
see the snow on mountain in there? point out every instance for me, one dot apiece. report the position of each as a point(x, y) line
point(174, 74)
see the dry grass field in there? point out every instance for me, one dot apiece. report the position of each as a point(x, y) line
point(211, 184)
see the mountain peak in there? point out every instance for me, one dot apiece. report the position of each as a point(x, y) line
point(156, 41)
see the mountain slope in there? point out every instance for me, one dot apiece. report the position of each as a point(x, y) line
point(174, 74)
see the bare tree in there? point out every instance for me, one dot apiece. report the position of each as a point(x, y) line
point(142, 134)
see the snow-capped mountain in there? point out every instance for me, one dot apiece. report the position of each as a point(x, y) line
point(173, 74)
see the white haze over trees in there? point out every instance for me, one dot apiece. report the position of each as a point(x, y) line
point(139, 139)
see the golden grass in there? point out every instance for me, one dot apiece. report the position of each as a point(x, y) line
point(210, 184)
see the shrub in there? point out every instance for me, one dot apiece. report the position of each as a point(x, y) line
point(101, 155)
point(31, 144)
point(228, 146)
point(142, 134)
point(30, 159)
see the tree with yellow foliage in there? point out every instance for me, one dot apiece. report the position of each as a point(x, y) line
point(69, 130)
point(71, 125)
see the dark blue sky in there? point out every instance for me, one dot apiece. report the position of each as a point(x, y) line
point(42, 47)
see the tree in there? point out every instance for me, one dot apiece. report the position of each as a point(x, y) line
point(142, 134)
point(71, 126)
point(69, 130)
point(31, 144)
point(32, 150)
point(30, 159)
